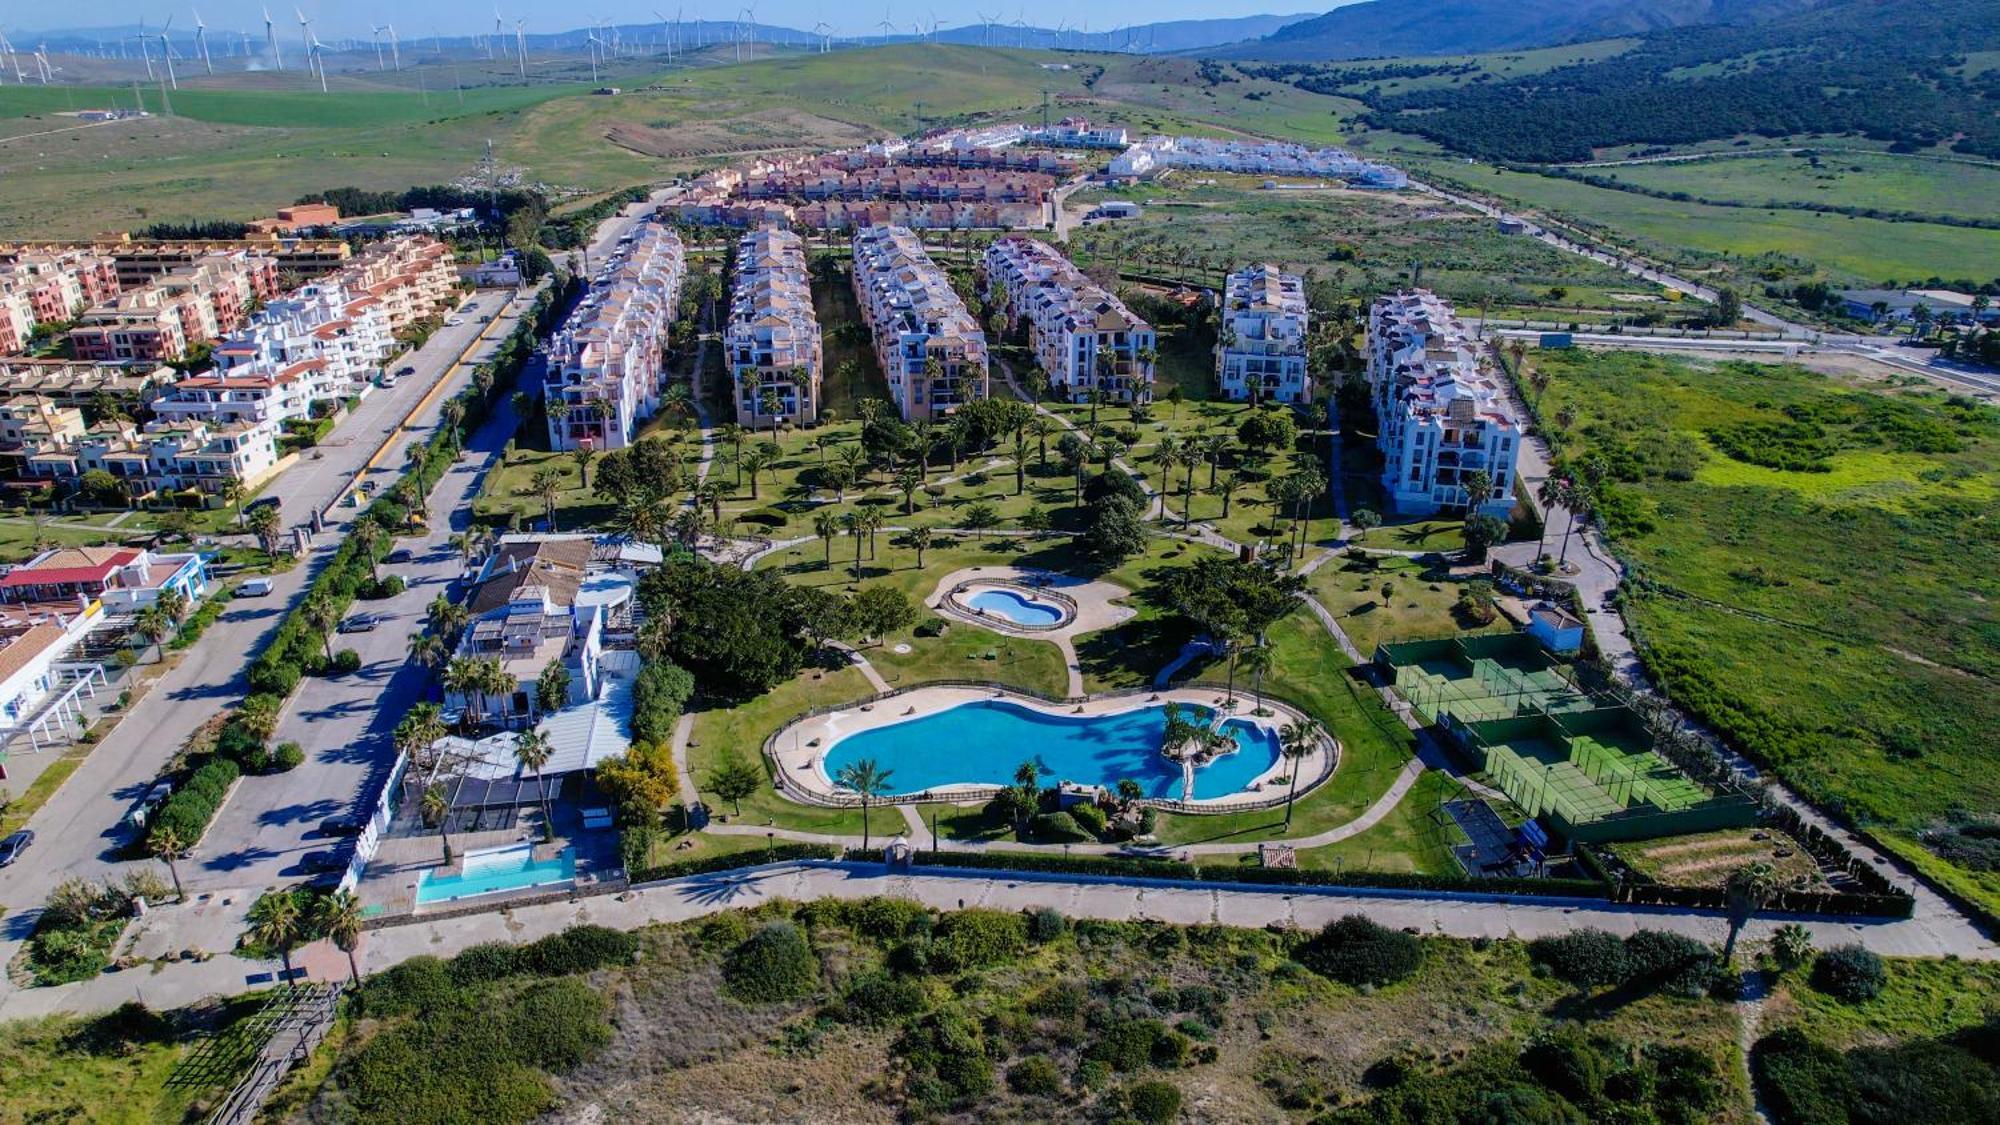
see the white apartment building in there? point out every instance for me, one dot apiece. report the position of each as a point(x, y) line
point(1261, 352)
point(1256, 158)
point(168, 455)
point(1077, 132)
point(606, 364)
point(346, 332)
point(772, 343)
point(930, 348)
point(1443, 413)
point(1082, 336)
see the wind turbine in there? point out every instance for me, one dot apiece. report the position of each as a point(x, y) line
point(498, 28)
point(740, 30)
point(9, 57)
point(318, 50)
point(145, 52)
point(888, 29)
point(167, 52)
point(666, 34)
point(521, 48)
point(395, 49)
point(375, 38)
point(306, 37)
point(201, 40)
point(988, 21)
point(595, 44)
point(271, 38)
point(42, 66)
point(820, 29)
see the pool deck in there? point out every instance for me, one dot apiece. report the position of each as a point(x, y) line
point(800, 749)
point(1094, 608)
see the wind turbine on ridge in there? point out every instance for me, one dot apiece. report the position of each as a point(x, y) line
point(271, 38)
point(167, 52)
point(521, 48)
point(201, 41)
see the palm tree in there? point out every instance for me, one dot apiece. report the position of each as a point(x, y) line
point(367, 533)
point(275, 923)
point(264, 522)
point(582, 455)
point(463, 677)
point(447, 617)
point(232, 497)
point(1235, 480)
point(1576, 500)
point(920, 538)
point(1042, 426)
point(166, 843)
point(754, 461)
point(547, 484)
point(908, 481)
point(421, 728)
point(153, 624)
point(863, 777)
point(1257, 661)
point(494, 679)
point(1749, 888)
point(427, 649)
point(338, 916)
point(1550, 494)
point(1020, 462)
point(1295, 741)
point(826, 525)
point(436, 810)
point(733, 434)
point(1168, 455)
point(852, 522)
point(322, 615)
point(532, 751)
point(871, 522)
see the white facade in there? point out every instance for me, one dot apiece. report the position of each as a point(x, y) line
point(607, 362)
point(1076, 132)
point(169, 455)
point(1443, 414)
point(772, 344)
point(930, 348)
point(1257, 158)
point(1083, 336)
point(1261, 354)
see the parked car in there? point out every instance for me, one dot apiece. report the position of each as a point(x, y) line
point(400, 555)
point(12, 847)
point(255, 588)
point(340, 827)
point(406, 369)
point(361, 623)
point(322, 863)
point(154, 798)
point(453, 321)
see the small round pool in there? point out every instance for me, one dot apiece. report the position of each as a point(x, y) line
point(1017, 607)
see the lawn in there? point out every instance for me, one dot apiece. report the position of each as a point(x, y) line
point(741, 730)
point(1415, 838)
point(968, 652)
point(1923, 998)
point(1707, 859)
point(66, 1068)
point(1839, 626)
point(1422, 606)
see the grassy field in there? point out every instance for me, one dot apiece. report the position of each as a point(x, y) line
point(1838, 624)
point(1834, 179)
point(1422, 605)
point(66, 1068)
point(1706, 859)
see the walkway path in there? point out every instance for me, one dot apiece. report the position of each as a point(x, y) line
point(855, 658)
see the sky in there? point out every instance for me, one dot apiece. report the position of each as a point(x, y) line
point(467, 17)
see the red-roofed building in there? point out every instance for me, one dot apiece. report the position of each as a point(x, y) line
point(119, 577)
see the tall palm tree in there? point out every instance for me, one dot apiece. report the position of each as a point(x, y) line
point(427, 649)
point(871, 522)
point(494, 679)
point(462, 676)
point(754, 461)
point(1549, 493)
point(338, 916)
point(1042, 426)
point(166, 843)
point(532, 751)
point(853, 523)
point(864, 777)
point(436, 810)
point(367, 533)
point(1749, 888)
point(1168, 455)
point(826, 525)
point(264, 522)
point(153, 624)
point(275, 922)
point(1257, 661)
point(920, 538)
point(1295, 741)
point(547, 484)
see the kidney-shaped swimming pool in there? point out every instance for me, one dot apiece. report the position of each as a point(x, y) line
point(983, 742)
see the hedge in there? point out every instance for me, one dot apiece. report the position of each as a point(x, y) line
point(777, 853)
point(1271, 876)
point(192, 806)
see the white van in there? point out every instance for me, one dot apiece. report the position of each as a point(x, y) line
point(255, 588)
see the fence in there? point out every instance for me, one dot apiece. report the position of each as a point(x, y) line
point(370, 840)
point(972, 792)
point(301, 1020)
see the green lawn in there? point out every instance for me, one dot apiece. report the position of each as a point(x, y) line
point(1834, 179)
point(66, 1068)
point(1422, 606)
point(742, 729)
point(967, 652)
point(1415, 838)
point(1838, 625)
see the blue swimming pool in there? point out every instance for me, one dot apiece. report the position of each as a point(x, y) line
point(1017, 607)
point(984, 741)
point(504, 869)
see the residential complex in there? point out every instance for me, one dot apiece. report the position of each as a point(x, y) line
point(607, 362)
point(176, 311)
point(139, 261)
point(944, 182)
point(929, 347)
point(772, 344)
point(50, 287)
point(69, 382)
point(1155, 154)
point(1261, 352)
point(1083, 337)
point(166, 455)
point(1442, 413)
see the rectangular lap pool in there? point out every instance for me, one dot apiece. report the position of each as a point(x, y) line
point(512, 868)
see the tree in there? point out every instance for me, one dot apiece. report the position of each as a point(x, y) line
point(532, 752)
point(1042, 426)
point(826, 525)
point(859, 532)
point(1268, 430)
point(436, 811)
point(919, 538)
point(339, 917)
point(419, 730)
point(583, 455)
point(1481, 533)
point(1478, 489)
point(754, 461)
point(735, 779)
point(153, 624)
point(367, 535)
point(908, 481)
point(552, 686)
point(1388, 593)
point(1749, 888)
point(864, 777)
point(164, 841)
point(547, 484)
point(1363, 519)
point(981, 517)
point(1792, 945)
point(1728, 308)
point(276, 923)
point(878, 611)
point(1295, 741)
point(1257, 661)
point(1112, 532)
point(264, 522)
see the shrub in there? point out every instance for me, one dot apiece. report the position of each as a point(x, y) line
point(1061, 1000)
point(1356, 951)
point(1567, 1063)
point(947, 1059)
point(1047, 924)
point(1035, 1077)
point(1155, 1103)
point(1088, 817)
point(975, 939)
point(1803, 1082)
point(773, 965)
point(388, 586)
point(558, 1024)
point(195, 803)
point(1057, 828)
point(1850, 973)
point(1127, 1045)
point(421, 984)
point(1673, 962)
point(345, 661)
point(882, 918)
point(658, 696)
point(488, 961)
point(1586, 958)
point(579, 949)
point(288, 756)
point(879, 997)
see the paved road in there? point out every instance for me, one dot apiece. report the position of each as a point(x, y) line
point(1457, 915)
point(78, 833)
